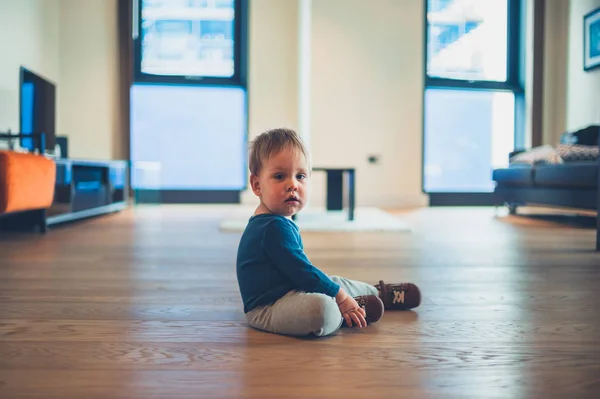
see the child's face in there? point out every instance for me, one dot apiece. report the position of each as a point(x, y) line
point(282, 184)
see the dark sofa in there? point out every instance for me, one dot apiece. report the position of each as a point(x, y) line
point(571, 184)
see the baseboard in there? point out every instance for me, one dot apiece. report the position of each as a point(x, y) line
point(187, 196)
point(462, 199)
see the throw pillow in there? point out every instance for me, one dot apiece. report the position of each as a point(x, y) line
point(585, 136)
point(539, 155)
point(576, 153)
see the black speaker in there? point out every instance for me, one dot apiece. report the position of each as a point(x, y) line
point(63, 143)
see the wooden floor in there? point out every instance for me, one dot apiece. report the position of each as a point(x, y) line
point(145, 304)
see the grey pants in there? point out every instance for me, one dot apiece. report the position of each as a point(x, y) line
point(301, 313)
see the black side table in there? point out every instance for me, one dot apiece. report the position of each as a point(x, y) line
point(335, 189)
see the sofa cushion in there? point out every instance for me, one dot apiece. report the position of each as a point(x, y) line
point(516, 175)
point(574, 174)
point(26, 182)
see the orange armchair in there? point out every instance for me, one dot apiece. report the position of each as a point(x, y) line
point(27, 184)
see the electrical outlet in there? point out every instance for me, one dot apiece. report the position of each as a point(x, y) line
point(373, 159)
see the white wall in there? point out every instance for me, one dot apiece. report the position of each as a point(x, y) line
point(88, 93)
point(583, 88)
point(367, 93)
point(29, 36)
point(74, 44)
point(365, 86)
point(273, 68)
point(571, 95)
point(273, 64)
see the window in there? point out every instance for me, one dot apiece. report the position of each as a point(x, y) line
point(472, 93)
point(468, 40)
point(188, 101)
point(195, 133)
point(467, 133)
point(190, 41)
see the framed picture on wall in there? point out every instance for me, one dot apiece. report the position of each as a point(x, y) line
point(591, 40)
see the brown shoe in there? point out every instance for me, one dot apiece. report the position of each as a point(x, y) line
point(400, 296)
point(372, 305)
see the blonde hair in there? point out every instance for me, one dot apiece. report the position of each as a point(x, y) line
point(270, 143)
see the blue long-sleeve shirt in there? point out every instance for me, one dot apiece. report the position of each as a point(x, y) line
point(271, 262)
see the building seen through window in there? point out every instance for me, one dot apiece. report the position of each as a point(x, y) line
point(467, 39)
point(187, 37)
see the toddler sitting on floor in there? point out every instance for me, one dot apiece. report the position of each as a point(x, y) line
point(282, 291)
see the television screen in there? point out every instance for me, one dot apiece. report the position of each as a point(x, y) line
point(37, 108)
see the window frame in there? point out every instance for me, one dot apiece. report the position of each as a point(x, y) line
point(240, 51)
point(515, 83)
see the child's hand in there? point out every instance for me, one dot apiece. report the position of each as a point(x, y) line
point(352, 312)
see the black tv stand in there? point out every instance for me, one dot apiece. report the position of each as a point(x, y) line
point(86, 188)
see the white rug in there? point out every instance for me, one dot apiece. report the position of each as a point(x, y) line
point(320, 220)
